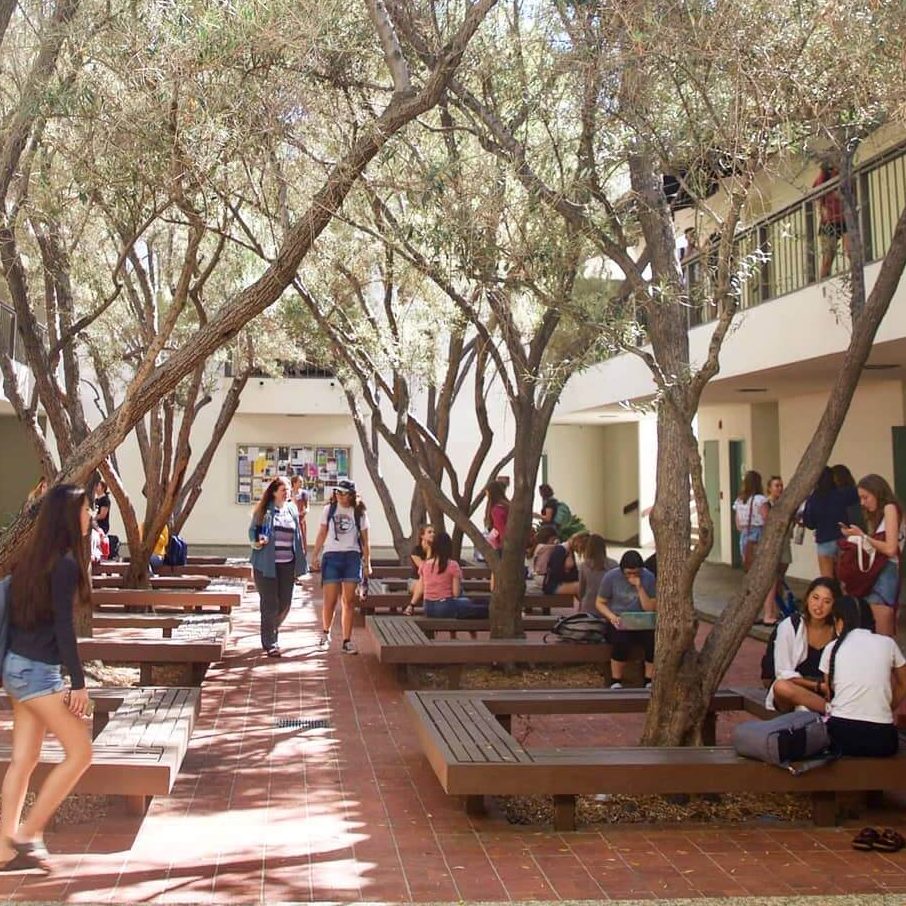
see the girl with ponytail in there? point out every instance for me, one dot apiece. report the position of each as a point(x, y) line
point(866, 679)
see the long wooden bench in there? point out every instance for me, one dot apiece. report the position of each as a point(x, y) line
point(466, 738)
point(156, 582)
point(432, 625)
point(141, 738)
point(397, 571)
point(194, 656)
point(185, 600)
point(208, 570)
point(150, 621)
point(402, 642)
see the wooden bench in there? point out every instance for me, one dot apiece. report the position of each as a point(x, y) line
point(140, 740)
point(156, 582)
point(151, 621)
point(466, 738)
point(432, 625)
point(186, 600)
point(194, 656)
point(402, 642)
point(208, 570)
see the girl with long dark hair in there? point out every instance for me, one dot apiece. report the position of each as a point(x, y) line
point(884, 531)
point(496, 513)
point(825, 509)
point(751, 509)
point(440, 584)
point(865, 675)
point(46, 586)
point(798, 646)
point(278, 556)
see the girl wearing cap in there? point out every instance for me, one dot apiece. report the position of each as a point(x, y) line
point(343, 538)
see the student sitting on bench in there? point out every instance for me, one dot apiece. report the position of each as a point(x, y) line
point(440, 584)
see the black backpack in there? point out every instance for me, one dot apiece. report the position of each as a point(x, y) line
point(580, 627)
point(768, 670)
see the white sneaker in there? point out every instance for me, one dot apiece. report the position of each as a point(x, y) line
point(349, 647)
point(324, 641)
point(616, 685)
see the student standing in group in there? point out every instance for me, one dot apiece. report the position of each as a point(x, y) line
point(751, 509)
point(300, 498)
point(45, 588)
point(884, 531)
point(277, 558)
point(102, 505)
point(865, 674)
point(826, 507)
point(770, 614)
point(343, 537)
point(496, 514)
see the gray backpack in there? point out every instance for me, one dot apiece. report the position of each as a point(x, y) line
point(789, 737)
point(579, 627)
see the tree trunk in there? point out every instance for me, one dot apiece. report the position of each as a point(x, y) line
point(264, 291)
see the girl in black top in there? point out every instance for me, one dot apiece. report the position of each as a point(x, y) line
point(45, 586)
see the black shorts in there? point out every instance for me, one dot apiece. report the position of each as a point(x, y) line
point(625, 641)
point(863, 738)
point(833, 229)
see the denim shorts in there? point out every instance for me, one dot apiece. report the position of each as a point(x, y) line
point(25, 679)
point(827, 548)
point(886, 586)
point(341, 566)
point(752, 534)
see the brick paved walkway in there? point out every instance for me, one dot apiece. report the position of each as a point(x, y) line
point(353, 812)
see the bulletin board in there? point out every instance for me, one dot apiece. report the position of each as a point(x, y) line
point(319, 467)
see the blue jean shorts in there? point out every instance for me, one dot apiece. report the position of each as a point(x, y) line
point(886, 586)
point(827, 548)
point(752, 534)
point(341, 566)
point(25, 679)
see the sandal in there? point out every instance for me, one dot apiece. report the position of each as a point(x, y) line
point(866, 839)
point(889, 841)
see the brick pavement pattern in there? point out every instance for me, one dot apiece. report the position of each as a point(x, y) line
point(353, 811)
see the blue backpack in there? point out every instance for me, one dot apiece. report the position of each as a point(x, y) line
point(177, 552)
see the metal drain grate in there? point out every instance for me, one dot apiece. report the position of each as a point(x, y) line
point(301, 723)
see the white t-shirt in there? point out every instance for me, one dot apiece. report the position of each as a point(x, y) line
point(862, 676)
point(753, 505)
point(341, 531)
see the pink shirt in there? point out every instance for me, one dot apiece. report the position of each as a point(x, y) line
point(499, 516)
point(437, 586)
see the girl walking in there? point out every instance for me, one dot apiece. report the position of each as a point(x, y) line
point(43, 592)
point(277, 558)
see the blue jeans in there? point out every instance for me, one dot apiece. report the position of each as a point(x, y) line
point(24, 678)
point(341, 566)
point(456, 609)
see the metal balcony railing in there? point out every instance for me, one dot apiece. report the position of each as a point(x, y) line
point(782, 253)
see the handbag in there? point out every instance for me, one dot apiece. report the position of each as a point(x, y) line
point(859, 564)
point(748, 552)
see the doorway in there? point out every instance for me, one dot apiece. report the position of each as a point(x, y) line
point(712, 492)
point(737, 465)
